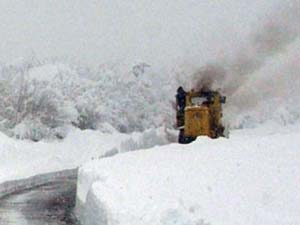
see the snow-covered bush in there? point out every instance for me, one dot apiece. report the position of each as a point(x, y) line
point(127, 100)
point(41, 99)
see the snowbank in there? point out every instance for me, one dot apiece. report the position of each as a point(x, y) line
point(251, 178)
point(23, 159)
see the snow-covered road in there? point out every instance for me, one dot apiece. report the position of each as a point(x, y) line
point(50, 204)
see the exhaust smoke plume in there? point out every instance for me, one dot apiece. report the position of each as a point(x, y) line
point(270, 38)
point(268, 41)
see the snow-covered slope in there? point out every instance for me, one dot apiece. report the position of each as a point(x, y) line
point(251, 178)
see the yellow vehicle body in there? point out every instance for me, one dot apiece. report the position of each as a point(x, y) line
point(197, 121)
point(202, 116)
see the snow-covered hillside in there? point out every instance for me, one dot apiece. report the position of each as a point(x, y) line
point(251, 178)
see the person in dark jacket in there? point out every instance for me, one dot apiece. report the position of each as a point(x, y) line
point(180, 105)
point(180, 99)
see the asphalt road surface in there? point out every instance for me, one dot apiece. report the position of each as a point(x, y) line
point(49, 204)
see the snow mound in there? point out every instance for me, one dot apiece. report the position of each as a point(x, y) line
point(248, 179)
point(77, 148)
point(148, 139)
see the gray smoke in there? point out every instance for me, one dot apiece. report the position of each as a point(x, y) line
point(271, 37)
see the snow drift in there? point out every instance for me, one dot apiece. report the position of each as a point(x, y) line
point(21, 159)
point(248, 179)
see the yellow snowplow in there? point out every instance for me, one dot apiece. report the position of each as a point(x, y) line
point(199, 113)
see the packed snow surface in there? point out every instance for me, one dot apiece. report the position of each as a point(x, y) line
point(252, 178)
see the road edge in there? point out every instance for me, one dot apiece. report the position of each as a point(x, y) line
point(10, 187)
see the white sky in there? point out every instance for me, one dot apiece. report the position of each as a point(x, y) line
point(99, 31)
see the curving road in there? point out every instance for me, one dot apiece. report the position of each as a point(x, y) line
point(49, 204)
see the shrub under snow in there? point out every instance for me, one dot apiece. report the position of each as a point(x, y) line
point(42, 99)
